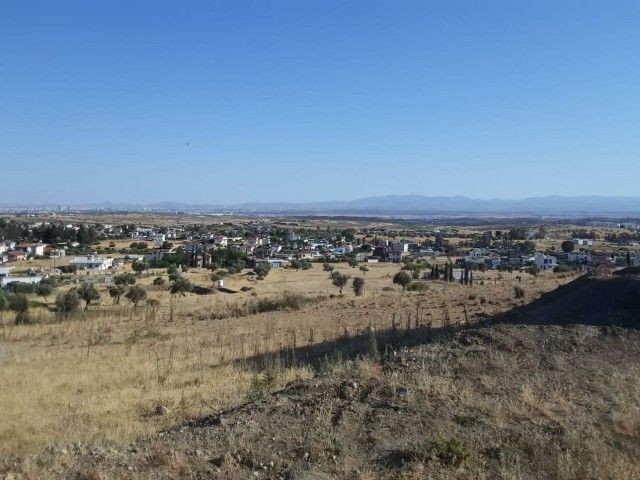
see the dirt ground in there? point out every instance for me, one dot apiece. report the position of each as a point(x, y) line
point(504, 402)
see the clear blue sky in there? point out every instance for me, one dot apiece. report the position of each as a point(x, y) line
point(306, 100)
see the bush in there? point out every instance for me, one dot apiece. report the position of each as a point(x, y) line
point(533, 270)
point(25, 288)
point(563, 269)
point(358, 286)
point(290, 301)
point(417, 287)
point(450, 453)
point(262, 270)
point(44, 289)
point(519, 291)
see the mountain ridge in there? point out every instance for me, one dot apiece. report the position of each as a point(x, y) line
point(410, 203)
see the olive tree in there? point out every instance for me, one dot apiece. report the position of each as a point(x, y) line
point(136, 294)
point(402, 278)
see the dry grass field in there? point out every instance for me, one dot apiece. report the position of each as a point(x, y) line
point(116, 372)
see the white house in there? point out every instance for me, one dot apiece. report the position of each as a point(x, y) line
point(545, 262)
point(19, 279)
point(36, 249)
point(91, 262)
point(55, 252)
point(583, 242)
point(4, 271)
point(159, 238)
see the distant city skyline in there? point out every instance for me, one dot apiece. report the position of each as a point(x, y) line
point(287, 101)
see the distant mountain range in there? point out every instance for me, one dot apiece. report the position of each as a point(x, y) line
point(407, 204)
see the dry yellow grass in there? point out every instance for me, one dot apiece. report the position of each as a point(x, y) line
point(102, 377)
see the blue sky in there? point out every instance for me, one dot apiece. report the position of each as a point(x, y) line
point(306, 100)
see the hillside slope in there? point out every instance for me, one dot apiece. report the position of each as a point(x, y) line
point(509, 401)
point(588, 300)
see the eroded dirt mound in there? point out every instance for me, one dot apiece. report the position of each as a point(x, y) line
point(508, 401)
point(587, 300)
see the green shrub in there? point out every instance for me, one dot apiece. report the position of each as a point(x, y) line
point(450, 453)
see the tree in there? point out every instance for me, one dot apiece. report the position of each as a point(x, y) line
point(4, 301)
point(528, 247)
point(262, 269)
point(136, 294)
point(116, 291)
point(44, 290)
point(353, 263)
point(67, 302)
point(567, 246)
point(364, 269)
point(327, 267)
point(139, 267)
point(88, 293)
point(158, 281)
point(358, 286)
point(295, 263)
point(124, 279)
point(340, 280)
point(181, 285)
point(171, 269)
point(19, 303)
point(402, 278)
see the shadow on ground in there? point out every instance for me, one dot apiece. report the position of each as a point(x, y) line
point(587, 300)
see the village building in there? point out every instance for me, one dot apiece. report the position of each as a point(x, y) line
point(92, 262)
point(16, 256)
point(545, 262)
point(6, 280)
point(583, 242)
